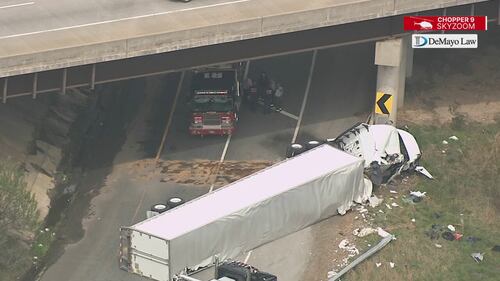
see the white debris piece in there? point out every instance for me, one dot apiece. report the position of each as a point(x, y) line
point(451, 228)
point(388, 207)
point(438, 245)
point(445, 142)
point(380, 211)
point(378, 264)
point(412, 220)
point(478, 257)
point(424, 171)
point(363, 232)
point(418, 193)
point(393, 191)
point(394, 204)
point(375, 201)
point(331, 273)
point(392, 264)
point(455, 138)
point(350, 249)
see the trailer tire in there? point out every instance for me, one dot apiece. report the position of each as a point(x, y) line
point(174, 202)
point(313, 143)
point(159, 208)
point(294, 149)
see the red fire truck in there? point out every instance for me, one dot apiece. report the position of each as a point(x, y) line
point(214, 101)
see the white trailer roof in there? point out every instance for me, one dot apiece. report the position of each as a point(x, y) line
point(245, 192)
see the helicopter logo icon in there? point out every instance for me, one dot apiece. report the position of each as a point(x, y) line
point(424, 25)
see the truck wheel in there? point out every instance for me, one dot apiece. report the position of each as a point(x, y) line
point(159, 208)
point(174, 202)
point(294, 149)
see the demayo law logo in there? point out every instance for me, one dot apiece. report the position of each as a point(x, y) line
point(444, 41)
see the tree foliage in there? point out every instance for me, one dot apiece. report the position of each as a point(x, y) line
point(18, 218)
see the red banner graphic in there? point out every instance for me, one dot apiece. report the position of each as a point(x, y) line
point(445, 23)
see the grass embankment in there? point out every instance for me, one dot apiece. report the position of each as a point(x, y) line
point(22, 242)
point(465, 193)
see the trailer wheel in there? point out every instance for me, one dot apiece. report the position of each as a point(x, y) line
point(313, 143)
point(174, 202)
point(294, 149)
point(159, 208)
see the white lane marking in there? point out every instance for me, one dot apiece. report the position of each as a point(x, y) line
point(170, 116)
point(225, 149)
point(289, 115)
point(302, 108)
point(17, 5)
point(122, 19)
point(248, 257)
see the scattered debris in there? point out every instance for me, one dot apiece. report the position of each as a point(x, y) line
point(417, 193)
point(453, 138)
point(392, 264)
point(478, 257)
point(388, 207)
point(424, 171)
point(331, 273)
point(412, 220)
point(386, 239)
point(445, 142)
point(451, 228)
point(380, 211)
point(458, 235)
point(375, 201)
point(393, 191)
point(378, 264)
point(394, 204)
point(417, 196)
point(448, 236)
point(351, 249)
point(438, 245)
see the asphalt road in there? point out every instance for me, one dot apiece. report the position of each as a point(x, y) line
point(339, 94)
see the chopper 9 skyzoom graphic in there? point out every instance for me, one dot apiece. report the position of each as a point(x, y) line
point(445, 23)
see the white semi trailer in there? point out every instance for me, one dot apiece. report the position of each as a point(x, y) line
point(245, 214)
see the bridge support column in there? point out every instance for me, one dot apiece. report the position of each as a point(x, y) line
point(390, 56)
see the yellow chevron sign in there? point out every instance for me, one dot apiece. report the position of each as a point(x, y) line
point(383, 103)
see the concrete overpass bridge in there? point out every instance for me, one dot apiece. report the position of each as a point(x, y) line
point(49, 46)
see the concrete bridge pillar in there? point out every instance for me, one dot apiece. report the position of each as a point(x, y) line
point(391, 56)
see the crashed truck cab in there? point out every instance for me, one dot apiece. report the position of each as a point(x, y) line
point(387, 151)
point(214, 101)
